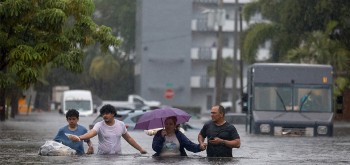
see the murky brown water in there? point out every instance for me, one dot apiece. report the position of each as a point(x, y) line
point(20, 140)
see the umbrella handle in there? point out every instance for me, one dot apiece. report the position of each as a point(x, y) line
point(161, 119)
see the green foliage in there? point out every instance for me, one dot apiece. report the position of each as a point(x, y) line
point(107, 71)
point(294, 19)
point(255, 35)
point(104, 67)
point(312, 31)
point(35, 34)
point(121, 15)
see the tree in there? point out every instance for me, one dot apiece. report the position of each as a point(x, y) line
point(38, 33)
point(318, 48)
point(289, 22)
point(121, 16)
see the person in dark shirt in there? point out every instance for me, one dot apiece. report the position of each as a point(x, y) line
point(221, 135)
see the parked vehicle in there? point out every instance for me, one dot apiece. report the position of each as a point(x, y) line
point(81, 100)
point(290, 99)
point(137, 102)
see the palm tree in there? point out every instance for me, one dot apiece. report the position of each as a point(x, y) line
point(320, 49)
point(103, 69)
point(288, 23)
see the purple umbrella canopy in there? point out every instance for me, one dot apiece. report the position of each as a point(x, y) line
point(155, 118)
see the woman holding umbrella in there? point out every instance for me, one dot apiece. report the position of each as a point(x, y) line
point(171, 142)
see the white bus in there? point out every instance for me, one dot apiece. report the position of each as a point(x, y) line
point(81, 100)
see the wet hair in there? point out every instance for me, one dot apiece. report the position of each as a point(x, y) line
point(221, 109)
point(108, 108)
point(72, 113)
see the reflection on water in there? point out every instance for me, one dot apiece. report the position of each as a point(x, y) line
point(20, 142)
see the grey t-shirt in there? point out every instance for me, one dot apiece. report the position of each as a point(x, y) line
point(226, 131)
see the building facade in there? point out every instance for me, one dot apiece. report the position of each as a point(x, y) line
point(176, 45)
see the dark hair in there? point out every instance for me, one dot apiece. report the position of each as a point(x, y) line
point(72, 113)
point(108, 108)
point(173, 118)
point(221, 109)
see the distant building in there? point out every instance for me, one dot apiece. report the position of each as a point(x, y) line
point(175, 44)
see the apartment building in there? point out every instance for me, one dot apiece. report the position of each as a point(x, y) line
point(176, 44)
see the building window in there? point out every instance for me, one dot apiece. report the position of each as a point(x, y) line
point(226, 42)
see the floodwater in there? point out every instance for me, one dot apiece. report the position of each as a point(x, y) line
point(21, 138)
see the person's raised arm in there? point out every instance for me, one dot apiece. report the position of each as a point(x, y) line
point(88, 135)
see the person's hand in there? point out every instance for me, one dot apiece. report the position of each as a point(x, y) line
point(215, 141)
point(142, 151)
point(74, 138)
point(90, 150)
point(203, 146)
point(163, 132)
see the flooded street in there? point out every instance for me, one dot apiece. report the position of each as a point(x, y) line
point(22, 137)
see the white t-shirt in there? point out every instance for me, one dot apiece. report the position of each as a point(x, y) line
point(171, 146)
point(109, 137)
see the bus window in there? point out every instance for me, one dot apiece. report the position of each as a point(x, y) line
point(273, 98)
point(313, 100)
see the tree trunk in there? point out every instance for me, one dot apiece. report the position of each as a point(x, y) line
point(2, 105)
point(14, 105)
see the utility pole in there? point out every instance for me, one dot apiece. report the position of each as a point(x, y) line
point(241, 60)
point(218, 64)
point(234, 63)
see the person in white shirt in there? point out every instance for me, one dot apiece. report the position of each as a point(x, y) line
point(109, 132)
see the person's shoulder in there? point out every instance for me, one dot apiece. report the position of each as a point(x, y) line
point(100, 123)
point(81, 127)
point(229, 125)
point(63, 128)
point(178, 132)
point(210, 122)
point(158, 133)
point(119, 122)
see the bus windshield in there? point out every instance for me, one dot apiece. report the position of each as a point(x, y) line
point(292, 98)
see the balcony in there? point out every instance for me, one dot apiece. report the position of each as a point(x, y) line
point(209, 53)
point(201, 24)
point(209, 82)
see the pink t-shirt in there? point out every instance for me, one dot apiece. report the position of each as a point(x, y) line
point(109, 137)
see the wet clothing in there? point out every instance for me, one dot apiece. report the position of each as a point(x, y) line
point(109, 137)
point(159, 141)
point(226, 131)
point(171, 146)
point(62, 138)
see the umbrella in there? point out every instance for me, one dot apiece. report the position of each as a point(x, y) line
point(155, 118)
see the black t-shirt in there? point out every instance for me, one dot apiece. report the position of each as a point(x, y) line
point(226, 131)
